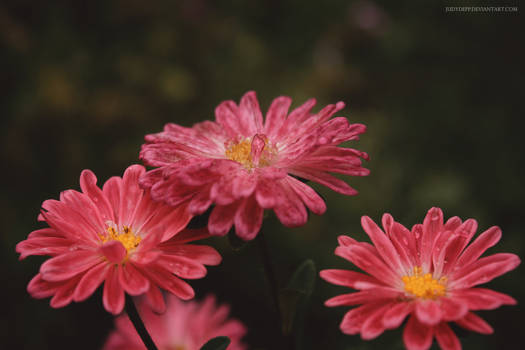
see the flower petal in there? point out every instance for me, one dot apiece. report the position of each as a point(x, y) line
point(113, 294)
point(132, 280)
point(485, 269)
point(475, 323)
point(90, 281)
point(394, 316)
point(382, 243)
point(276, 115)
point(446, 338)
point(67, 265)
point(485, 240)
point(428, 312)
point(114, 251)
point(203, 254)
point(248, 219)
point(417, 336)
point(182, 267)
point(350, 279)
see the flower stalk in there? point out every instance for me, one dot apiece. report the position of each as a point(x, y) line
point(134, 316)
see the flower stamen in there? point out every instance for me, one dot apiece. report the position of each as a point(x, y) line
point(251, 152)
point(129, 240)
point(424, 285)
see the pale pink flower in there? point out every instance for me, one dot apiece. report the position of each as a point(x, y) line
point(119, 236)
point(243, 164)
point(184, 326)
point(428, 273)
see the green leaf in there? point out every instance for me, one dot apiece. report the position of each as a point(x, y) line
point(298, 290)
point(217, 343)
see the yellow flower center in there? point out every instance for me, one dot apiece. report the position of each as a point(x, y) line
point(250, 156)
point(424, 285)
point(129, 240)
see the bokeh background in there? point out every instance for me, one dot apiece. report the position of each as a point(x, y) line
point(441, 93)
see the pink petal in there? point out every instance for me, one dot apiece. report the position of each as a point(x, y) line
point(185, 236)
point(417, 336)
point(67, 265)
point(43, 246)
point(200, 202)
point(90, 281)
point(312, 200)
point(485, 269)
point(373, 325)
point(40, 288)
point(182, 267)
point(428, 312)
point(227, 115)
point(250, 113)
point(130, 194)
point(299, 114)
point(111, 190)
point(203, 254)
point(350, 279)
point(394, 316)
point(353, 320)
point(113, 294)
point(114, 251)
point(446, 338)
point(475, 323)
point(368, 262)
point(88, 184)
point(267, 194)
point(291, 211)
point(169, 282)
point(276, 115)
point(432, 227)
point(155, 299)
point(382, 243)
point(323, 178)
point(248, 219)
point(81, 206)
point(132, 280)
point(453, 308)
point(484, 241)
point(64, 294)
point(244, 185)
point(483, 299)
point(45, 233)
point(405, 243)
point(362, 297)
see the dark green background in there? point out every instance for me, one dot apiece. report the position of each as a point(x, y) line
point(441, 93)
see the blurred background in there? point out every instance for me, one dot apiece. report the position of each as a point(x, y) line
point(441, 93)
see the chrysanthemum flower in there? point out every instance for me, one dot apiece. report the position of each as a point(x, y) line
point(184, 326)
point(428, 273)
point(243, 164)
point(119, 236)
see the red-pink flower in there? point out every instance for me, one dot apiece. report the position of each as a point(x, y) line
point(429, 273)
point(184, 325)
point(119, 236)
point(243, 164)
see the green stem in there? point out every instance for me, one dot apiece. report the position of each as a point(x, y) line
point(288, 340)
point(134, 316)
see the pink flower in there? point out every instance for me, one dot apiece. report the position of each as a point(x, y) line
point(118, 236)
point(428, 273)
point(184, 326)
point(243, 164)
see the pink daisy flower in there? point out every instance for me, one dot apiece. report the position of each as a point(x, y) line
point(429, 273)
point(119, 236)
point(243, 164)
point(184, 326)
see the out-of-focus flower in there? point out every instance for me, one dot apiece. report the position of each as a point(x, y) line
point(428, 273)
point(184, 326)
point(119, 236)
point(243, 164)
